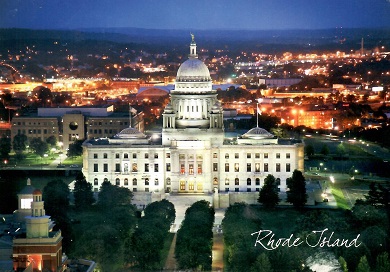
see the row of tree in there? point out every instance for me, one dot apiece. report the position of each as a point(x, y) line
point(150, 234)
point(195, 237)
point(110, 230)
point(296, 193)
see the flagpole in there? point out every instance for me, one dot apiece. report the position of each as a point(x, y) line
point(257, 114)
point(130, 114)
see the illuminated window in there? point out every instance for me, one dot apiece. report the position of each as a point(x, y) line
point(215, 181)
point(257, 167)
point(126, 182)
point(236, 181)
point(265, 167)
point(226, 167)
point(182, 185)
point(227, 156)
point(199, 157)
point(25, 203)
point(134, 167)
point(265, 155)
point(168, 167)
point(226, 181)
point(182, 169)
point(199, 186)
point(168, 155)
point(248, 167)
point(191, 169)
point(146, 167)
point(248, 155)
point(236, 167)
point(146, 181)
point(156, 181)
point(168, 181)
point(278, 167)
point(257, 155)
point(215, 166)
point(199, 168)
point(215, 155)
point(236, 156)
point(182, 156)
point(191, 186)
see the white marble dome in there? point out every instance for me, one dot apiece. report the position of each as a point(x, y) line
point(193, 70)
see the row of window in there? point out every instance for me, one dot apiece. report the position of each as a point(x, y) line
point(35, 131)
point(100, 131)
point(29, 123)
point(256, 155)
point(249, 168)
point(99, 123)
point(191, 169)
point(190, 156)
point(248, 181)
point(134, 182)
point(134, 155)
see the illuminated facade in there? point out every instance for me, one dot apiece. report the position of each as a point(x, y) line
point(192, 155)
point(40, 249)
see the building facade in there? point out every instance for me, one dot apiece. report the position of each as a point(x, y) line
point(192, 154)
point(69, 124)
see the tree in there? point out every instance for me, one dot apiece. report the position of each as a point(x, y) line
point(325, 150)
point(38, 146)
point(19, 143)
point(296, 193)
point(363, 265)
point(343, 264)
point(340, 149)
point(52, 141)
point(75, 149)
point(5, 147)
point(56, 197)
point(262, 264)
point(382, 263)
point(309, 150)
point(83, 195)
point(111, 196)
point(268, 194)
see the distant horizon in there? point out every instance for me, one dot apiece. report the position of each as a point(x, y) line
point(249, 15)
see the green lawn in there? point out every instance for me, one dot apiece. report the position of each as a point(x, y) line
point(74, 160)
point(340, 199)
point(165, 250)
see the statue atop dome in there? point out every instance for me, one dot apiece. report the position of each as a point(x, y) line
point(192, 38)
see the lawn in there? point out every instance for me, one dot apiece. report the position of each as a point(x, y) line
point(339, 196)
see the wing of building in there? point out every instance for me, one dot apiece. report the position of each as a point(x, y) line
point(192, 155)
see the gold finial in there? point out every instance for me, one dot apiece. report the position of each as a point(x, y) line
point(192, 37)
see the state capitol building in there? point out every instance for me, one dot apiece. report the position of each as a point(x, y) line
point(192, 156)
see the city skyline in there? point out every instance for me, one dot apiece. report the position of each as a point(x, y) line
point(174, 14)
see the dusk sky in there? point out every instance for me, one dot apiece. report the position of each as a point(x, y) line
point(196, 14)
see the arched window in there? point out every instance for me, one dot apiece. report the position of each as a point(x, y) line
point(257, 181)
point(215, 181)
point(248, 181)
point(236, 181)
point(134, 181)
point(168, 181)
point(117, 181)
point(277, 181)
point(126, 181)
point(105, 179)
point(95, 182)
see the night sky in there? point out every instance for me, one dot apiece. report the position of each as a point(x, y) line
point(195, 14)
